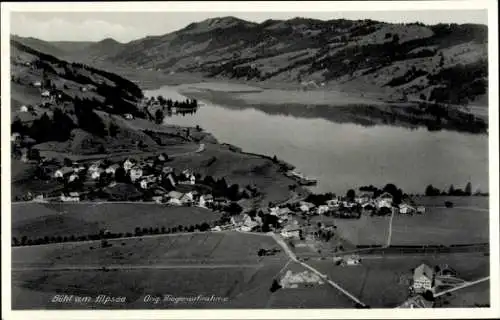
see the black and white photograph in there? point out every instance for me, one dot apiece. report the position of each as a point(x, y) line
point(219, 157)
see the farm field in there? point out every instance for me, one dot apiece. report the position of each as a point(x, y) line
point(477, 202)
point(363, 231)
point(195, 248)
point(136, 284)
point(473, 296)
point(441, 226)
point(36, 220)
point(382, 282)
point(222, 264)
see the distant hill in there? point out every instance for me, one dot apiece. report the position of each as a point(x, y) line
point(444, 63)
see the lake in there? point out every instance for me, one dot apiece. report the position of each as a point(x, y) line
point(345, 155)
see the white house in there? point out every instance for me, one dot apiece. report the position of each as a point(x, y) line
point(94, 167)
point(129, 116)
point(187, 198)
point(15, 136)
point(174, 195)
point(157, 199)
point(405, 208)
point(96, 174)
point(384, 200)
point(72, 197)
point(144, 184)
point(323, 209)
point(249, 225)
point(135, 173)
point(333, 203)
point(209, 199)
point(73, 177)
point(45, 94)
point(78, 168)
point(62, 172)
point(423, 278)
point(128, 164)
point(23, 109)
point(306, 206)
point(112, 168)
point(37, 84)
point(201, 202)
point(363, 198)
point(241, 220)
point(291, 231)
point(274, 211)
point(420, 209)
point(174, 202)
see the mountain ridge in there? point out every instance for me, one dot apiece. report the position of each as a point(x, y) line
point(402, 60)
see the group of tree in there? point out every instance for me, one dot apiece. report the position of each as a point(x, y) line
point(169, 103)
point(319, 199)
point(175, 229)
point(430, 190)
point(57, 128)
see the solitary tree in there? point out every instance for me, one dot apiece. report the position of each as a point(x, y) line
point(451, 190)
point(468, 189)
point(351, 194)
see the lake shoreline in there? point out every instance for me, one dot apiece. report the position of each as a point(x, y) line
point(213, 117)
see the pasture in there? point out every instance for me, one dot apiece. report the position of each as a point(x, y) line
point(381, 282)
point(470, 297)
point(193, 248)
point(222, 264)
point(363, 231)
point(473, 201)
point(36, 220)
point(441, 226)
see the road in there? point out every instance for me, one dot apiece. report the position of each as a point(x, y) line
point(465, 285)
point(389, 233)
point(293, 257)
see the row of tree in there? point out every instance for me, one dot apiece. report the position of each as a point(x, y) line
point(138, 232)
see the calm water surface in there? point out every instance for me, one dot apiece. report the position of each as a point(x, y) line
point(344, 156)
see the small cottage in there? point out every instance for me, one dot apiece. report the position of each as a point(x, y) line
point(322, 209)
point(174, 195)
point(135, 173)
point(112, 168)
point(128, 164)
point(95, 174)
point(23, 109)
point(306, 206)
point(73, 177)
point(291, 231)
point(420, 209)
point(405, 208)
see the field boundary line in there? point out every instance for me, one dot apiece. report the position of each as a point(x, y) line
point(462, 286)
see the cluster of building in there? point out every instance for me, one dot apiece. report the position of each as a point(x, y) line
point(146, 175)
